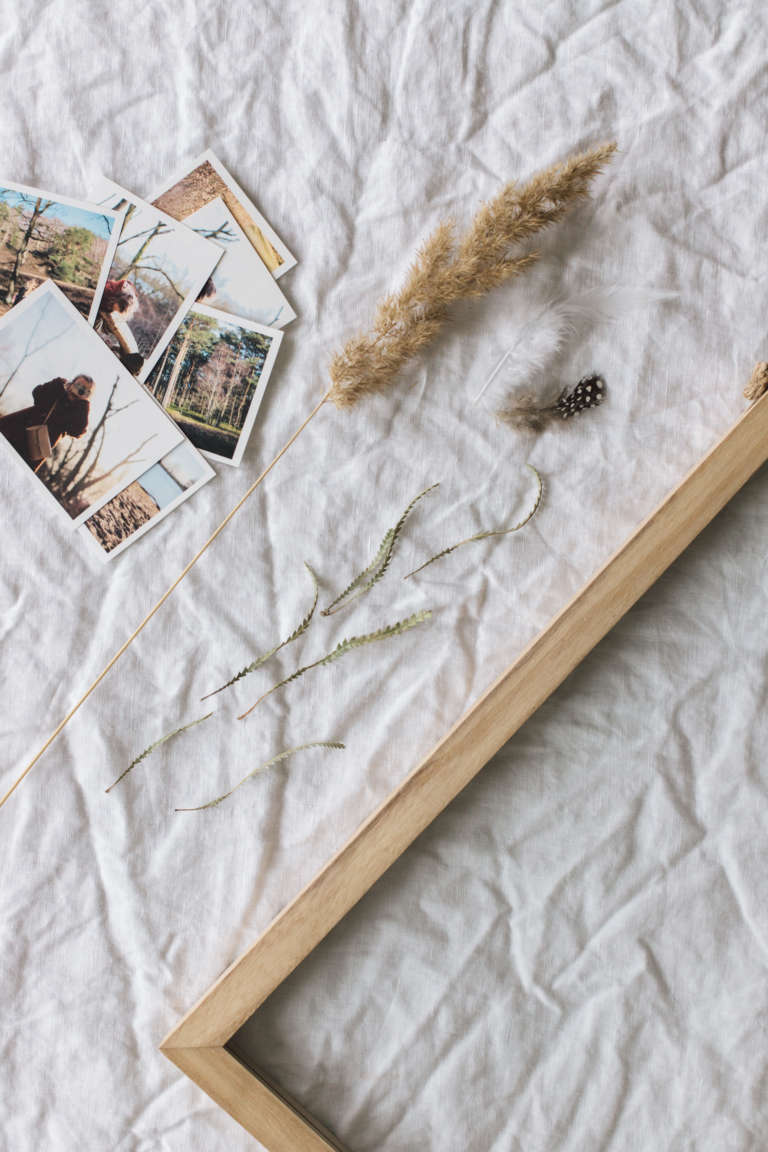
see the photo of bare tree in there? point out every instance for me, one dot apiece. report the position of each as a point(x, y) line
point(241, 283)
point(212, 377)
point(69, 410)
point(158, 270)
point(48, 237)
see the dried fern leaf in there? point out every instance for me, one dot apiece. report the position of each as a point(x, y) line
point(263, 768)
point(371, 575)
point(345, 646)
point(491, 532)
point(257, 663)
point(163, 739)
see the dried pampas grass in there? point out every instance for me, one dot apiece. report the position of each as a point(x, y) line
point(450, 268)
point(447, 270)
point(758, 382)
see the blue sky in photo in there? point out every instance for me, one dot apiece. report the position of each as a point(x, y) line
point(160, 485)
point(68, 215)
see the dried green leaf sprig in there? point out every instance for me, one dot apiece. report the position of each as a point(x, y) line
point(492, 532)
point(163, 739)
point(371, 575)
point(298, 631)
point(263, 768)
point(346, 646)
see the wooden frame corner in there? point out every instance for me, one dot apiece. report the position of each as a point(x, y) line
point(197, 1045)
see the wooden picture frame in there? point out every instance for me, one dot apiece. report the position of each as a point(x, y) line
point(197, 1045)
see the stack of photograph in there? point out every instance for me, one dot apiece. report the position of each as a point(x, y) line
point(137, 338)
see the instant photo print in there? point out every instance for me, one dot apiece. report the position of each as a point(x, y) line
point(47, 237)
point(202, 180)
point(212, 378)
point(147, 500)
point(240, 284)
point(158, 269)
point(73, 421)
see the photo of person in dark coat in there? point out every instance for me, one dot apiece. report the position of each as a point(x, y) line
point(62, 405)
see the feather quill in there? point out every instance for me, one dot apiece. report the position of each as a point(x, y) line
point(542, 337)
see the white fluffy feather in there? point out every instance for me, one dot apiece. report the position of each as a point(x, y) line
point(544, 335)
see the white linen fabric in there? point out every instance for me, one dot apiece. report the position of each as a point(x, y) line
point(575, 955)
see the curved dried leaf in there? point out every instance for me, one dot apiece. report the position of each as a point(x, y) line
point(163, 739)
point(345, 646)
point(262, 768)
point(371, 575)
point(257, 663)
point(490, 532)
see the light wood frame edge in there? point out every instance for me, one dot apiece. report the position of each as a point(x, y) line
point(196, 1044)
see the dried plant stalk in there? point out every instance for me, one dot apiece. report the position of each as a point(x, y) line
point(448, 269)
point(345, 646)
point(491, 532)
point(163, 739)
point(298, 631)
point(407, 321)
point(758, 382)
point(263, 768)
point(371, 575)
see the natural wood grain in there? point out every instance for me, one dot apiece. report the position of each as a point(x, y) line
point(195, 1045)
point(261, 1110)
point(479, 734)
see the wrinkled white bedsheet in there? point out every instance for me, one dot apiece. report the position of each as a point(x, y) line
point(574, 957)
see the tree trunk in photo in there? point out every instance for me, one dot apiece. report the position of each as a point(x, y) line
point(235, 395)
point(212, 394)
point(40, 207)
point(246, 383)
point(177, 366)
point(163, 362)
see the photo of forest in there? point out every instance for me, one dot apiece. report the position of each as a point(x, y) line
point(158, 268)
point(211, 377)
point(45, 239)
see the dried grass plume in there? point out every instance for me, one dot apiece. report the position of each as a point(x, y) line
point(450, 268)
point(758, 382)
